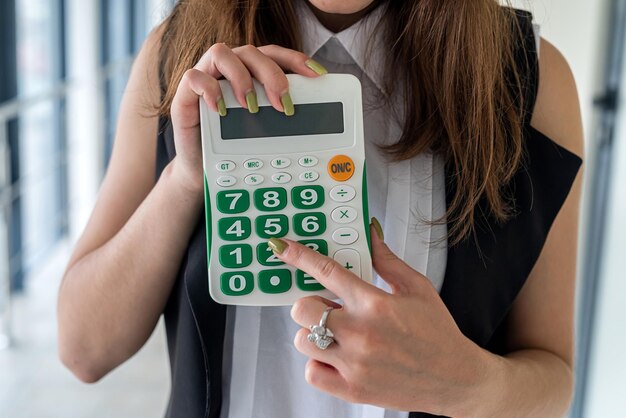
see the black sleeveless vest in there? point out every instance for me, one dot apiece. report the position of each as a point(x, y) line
point(479, 287)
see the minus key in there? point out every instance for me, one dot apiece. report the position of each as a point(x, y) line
point(345, 236)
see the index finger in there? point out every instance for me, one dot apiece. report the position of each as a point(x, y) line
point(325, 270)
point(294, 61)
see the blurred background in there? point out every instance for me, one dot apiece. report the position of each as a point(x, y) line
point(63, 68)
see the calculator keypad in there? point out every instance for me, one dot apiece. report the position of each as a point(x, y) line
point(309, 224)
point(233, 201)
point(344, 215)
point(253, 164)
point(275, 281)
point(225, 166)
point(237, 283)
point(266, 256)
point(307, 197)
point(318, 245)
point(234, 229)
point(281, 163)
point(308, 161)
point(349, 259)
point(281, 178)
point(309, 176)
point(250, 217)
point(307, 283)
point(272, 226)
point(226, 181)
point(270, 199)
point(345, 236)
point(342, 193)
point(254, 179)
point(236, 256)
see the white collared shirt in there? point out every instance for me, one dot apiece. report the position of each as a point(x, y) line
point(263, 374)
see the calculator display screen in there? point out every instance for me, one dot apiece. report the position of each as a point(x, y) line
point(309, 119)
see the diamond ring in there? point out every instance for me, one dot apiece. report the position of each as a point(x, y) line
point(320, 335)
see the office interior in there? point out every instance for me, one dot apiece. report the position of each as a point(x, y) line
point(63, 68)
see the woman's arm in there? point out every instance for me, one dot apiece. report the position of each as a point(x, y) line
point(124, 265)
point(536, 378)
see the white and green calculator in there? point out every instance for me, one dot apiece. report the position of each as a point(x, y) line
point(301, 177)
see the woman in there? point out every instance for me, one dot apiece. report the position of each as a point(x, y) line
point(473, 172)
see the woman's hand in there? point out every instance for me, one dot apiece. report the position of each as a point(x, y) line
point(238, 65)
point(401, 351)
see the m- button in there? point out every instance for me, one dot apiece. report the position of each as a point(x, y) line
point(281, 162)
point(341, 168)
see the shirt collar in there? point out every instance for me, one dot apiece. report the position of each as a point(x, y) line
point(353, 39)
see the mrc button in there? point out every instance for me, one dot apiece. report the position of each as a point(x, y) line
point(253, 164)
point(341, 168)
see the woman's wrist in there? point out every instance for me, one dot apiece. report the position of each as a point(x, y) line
point(486, 382)
point(469, 386)
point(189, 183)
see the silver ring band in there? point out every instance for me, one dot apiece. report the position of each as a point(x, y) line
point(325, 316)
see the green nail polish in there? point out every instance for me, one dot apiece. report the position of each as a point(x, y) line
point(277, 245)
point(316, 66)
point(221, 107)
point(251, 100)
point(285, 99)
point(378, 229)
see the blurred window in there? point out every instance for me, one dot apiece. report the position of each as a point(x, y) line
point(8, 175)
point(125, 25)
point(38, 140)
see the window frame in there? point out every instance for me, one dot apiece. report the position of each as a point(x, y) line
point(9, 95)
point(117, 68)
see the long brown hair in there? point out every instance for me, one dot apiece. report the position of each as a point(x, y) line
point(462, 89)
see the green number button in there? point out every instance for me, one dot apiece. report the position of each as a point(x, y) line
point(307, 283)
point(235, 256)
point(271, 199)
point(318, 245)
point(234, 229)
point(237, 283)
point(266, 256)
point(307, 197)
point(309, 224)
point(275, 281)
point(269, 226)
point(233, 201)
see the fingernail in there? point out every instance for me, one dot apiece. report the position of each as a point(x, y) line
point(285, 99)
point(378, 229)
point(316, 66)
point(221, 106)
point(251, 101)
point(277, 245)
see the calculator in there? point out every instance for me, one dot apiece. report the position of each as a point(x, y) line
point(302, 177)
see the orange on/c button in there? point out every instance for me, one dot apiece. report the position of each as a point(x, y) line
point(341, 168)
